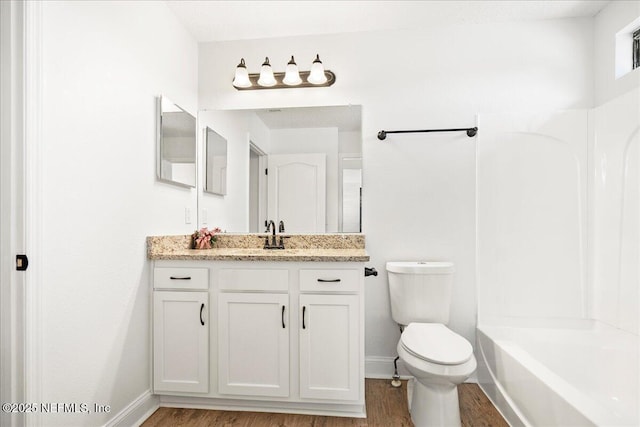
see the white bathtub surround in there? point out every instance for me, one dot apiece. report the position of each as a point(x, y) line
point(586, 371)
point(615, 208)
point(558, 245)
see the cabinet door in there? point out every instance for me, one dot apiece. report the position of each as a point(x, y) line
point(329, 347)
point(181, 341)
point(253, 344)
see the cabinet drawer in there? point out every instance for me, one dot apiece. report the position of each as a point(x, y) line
point(180, 278)
point(267, 280)
point(330, 280)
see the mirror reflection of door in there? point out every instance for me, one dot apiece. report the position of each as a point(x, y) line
point(297, 192)
point(351, 194)
point(257, 189)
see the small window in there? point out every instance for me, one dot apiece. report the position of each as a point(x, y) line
point(636, 48)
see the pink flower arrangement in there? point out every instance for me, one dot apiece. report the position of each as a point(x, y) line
point(204, 238)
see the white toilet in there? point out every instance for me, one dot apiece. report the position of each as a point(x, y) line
point(438, 358)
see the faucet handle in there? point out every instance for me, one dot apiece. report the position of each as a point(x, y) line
point(281, 226)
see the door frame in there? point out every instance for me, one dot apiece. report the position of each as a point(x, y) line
point(262, 186)
point(20, 204)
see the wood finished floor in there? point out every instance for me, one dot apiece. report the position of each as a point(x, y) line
point(386, 407)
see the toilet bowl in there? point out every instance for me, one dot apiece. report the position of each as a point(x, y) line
point(439, 360)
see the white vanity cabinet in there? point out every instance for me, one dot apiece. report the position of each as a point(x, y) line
point(253, 344)
point(284, 337)
point(329, 356)
point(329, 333)
point(180, 330)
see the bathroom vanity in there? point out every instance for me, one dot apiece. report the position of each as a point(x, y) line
point(245, 328)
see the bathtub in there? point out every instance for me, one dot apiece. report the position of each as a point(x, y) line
point(569, 373)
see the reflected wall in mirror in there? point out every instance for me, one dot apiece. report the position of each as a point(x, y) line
point(215, 162)
point(176, 144)
point(301, 166)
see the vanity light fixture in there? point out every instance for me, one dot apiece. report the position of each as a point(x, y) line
point(291, 78)
point(266, 75)
point(292, 74)
point(242, 76)
point(316, 76)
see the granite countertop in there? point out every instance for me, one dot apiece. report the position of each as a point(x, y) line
point(248, 247)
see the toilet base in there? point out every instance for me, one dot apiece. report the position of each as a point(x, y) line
point(435, 405)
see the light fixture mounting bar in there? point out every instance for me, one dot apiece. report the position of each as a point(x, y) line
point(471, 132)
point(253, 77)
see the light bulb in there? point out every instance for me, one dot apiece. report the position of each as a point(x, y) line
point(242, 76)
point(316, 75)
point(291, 74)
point(266, 74)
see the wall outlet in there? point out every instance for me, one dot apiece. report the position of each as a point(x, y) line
point(204, 215)
point(187, 215)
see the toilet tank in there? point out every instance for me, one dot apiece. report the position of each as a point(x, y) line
point(420, 291)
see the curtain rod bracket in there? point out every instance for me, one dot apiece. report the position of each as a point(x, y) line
point(471, 132)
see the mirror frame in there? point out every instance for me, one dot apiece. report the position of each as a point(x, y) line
point(159, 140)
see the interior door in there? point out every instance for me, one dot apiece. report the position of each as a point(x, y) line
point(297, 191)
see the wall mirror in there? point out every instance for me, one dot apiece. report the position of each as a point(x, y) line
point(176, 144)
point(215, 163)
point(302, 166)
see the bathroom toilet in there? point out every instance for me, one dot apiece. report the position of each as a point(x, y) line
point(438, 358)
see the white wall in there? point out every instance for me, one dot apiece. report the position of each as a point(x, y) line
point(616, 211)
point(350, 141)
point(419, 190)
point(613, 18)
point(229, 212)
point(103, 65)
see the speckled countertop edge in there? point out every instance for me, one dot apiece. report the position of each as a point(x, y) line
point(248, 247)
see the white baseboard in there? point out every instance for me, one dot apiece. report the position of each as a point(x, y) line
point(378, 367)
point(136, 412)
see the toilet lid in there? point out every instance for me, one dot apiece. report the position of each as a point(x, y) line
point(436, 343)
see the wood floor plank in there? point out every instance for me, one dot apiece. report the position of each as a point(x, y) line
point(386, 407)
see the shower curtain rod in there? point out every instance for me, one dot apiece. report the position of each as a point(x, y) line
point(471, 132)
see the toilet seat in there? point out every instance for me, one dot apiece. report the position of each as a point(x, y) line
point(435, 343)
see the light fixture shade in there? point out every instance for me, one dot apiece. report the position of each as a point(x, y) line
point(241, 78)
point(291, 74)
point(266, 75)
point(316, 75)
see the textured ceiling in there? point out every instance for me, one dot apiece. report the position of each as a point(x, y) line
point(240, 20)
